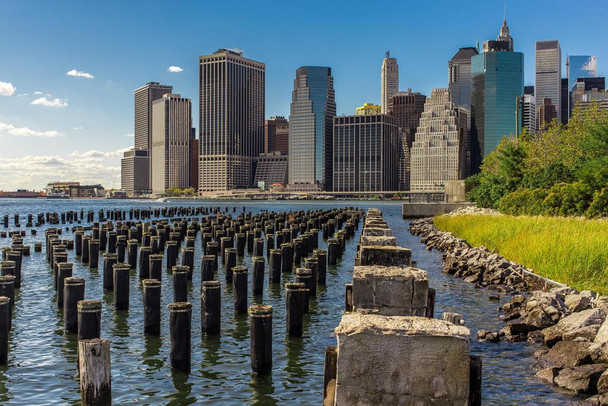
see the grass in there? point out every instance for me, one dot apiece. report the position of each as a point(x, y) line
point(573, 251)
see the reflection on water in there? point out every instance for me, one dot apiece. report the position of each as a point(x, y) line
point(42, 363)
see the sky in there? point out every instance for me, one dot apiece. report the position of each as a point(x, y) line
point(68, 68)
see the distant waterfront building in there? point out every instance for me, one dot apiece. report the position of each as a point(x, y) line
point(498, 79)
point(368, 109)
point(171, 134)
point(271, 168)
point(75, 189)
point(313, 107)
point(600, 98)
point(276, 135)
point(588, 91)
point(549, 75)
point(580, 66)
point(135, 171)
point(406, 108)
point(529, 113)
point(195, 150)
point(365, 153)
point(546, 113)
point(439, 148)
point(459, 80)
point(389, 80)
point(231, 130)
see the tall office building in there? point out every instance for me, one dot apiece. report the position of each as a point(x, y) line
point(171, 134)
point(548, 84)
point(134, 160)
point(545, 114)
point(135, 172)
point(231, 129)
point(195, 153)
point(528, 119)
point(313, 107)
point(498, 80)
point(406, 108)
point(389, 79)
point(580, 66)
point(365, 153)
point(459, 79)
point(439, 148)
point(565, 113)
point(276, 135)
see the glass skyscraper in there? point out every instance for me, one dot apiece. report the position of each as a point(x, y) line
point(580, 66)
point(313, 107)
point(498, 79)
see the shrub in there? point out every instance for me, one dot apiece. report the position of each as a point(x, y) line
point(523, 201)
point(599, 204)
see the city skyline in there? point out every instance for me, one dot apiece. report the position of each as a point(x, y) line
point(71, 117)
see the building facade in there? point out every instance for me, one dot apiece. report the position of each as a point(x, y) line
point(143, 99)
point(135, 172)
point(368, 109)
point(313, 107)
point(171, 149)
point(271, 169)
point(389, 78)
point(439, 148)
point(406, 108)
point(580, 66)
point(276, 135)
point(528, 119)
point(459, 80)
point(365, 153)
point(497, 81)
point(548, 81)
point(231, 127)
point(545, 114)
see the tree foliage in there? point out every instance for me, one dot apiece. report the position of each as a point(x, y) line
point(562, 171)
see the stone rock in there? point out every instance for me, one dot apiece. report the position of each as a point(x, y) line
point(489, 336)
point(597, 400)
point(581, 379)
point(379, 361)
point(537, 319)
point(378, 240)
point(577, 303)
point(566, 354)
point(602, 383)
point(547, 374)
point(574, 325)
point(384, 255)
point(535, 336)
point(599, 348)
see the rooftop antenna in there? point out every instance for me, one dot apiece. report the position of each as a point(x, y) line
point(504, 18)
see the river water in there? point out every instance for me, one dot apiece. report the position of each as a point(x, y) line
point(42, 360)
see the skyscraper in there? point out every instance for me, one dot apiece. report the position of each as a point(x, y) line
point(580, 66)
point(231, 129)
point(549, 75)
point(276, 135)
point(365, 153)
point(132, 165)
point(313, 107)
point(406, 108)
point(498, 79)
point(439, 148)
point(171, 149)
point(389, 79)
point(460, 76)
point(529, 113)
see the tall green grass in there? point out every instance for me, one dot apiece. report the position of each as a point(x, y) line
point(569, 250)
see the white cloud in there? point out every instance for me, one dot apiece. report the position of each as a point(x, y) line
point(129, 135)
point(9, 129)
point(35, 171)
point(37, 92)
point(99, 154)
point(7, 89)
point(78, 128)
point(174, 69)
point(43, 101)
point(79, 74)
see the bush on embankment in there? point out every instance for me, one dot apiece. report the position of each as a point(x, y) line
point(562, 171)
point(573, 251)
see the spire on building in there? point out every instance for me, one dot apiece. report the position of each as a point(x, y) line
point(388, 54)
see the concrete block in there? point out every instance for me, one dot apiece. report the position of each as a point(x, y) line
point(401, 360)
point(392, 291)
point(384, 255)
point(377, 231)
point(378, 240)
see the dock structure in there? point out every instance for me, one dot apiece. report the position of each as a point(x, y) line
point(389, 350)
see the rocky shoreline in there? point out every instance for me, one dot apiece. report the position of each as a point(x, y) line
point(571, 325)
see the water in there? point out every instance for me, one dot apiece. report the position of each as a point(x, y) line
point(42, 359)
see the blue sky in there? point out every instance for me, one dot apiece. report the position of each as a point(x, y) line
point(55, 126)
